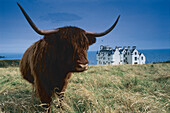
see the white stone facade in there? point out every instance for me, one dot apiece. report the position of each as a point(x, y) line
point(109, 56)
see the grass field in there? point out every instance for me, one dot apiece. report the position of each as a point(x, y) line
point(101, 89)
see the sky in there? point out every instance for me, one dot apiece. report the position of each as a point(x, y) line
point(143, 23)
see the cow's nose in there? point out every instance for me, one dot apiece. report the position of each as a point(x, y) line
point(81, 67)
point(84, 66)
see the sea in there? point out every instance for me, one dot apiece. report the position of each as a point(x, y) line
point(152, 56)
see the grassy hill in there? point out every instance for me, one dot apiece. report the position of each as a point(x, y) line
point(101, 89)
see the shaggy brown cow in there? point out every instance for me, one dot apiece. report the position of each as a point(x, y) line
point(49, 62)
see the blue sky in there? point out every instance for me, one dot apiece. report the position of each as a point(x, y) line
point(143, 23)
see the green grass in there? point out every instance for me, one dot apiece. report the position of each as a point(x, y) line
point(100, 89)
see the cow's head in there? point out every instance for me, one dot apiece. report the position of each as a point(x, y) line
point(73, 41)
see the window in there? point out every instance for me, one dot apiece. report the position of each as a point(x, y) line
point(135, 58)
point(135, 53)
point(112, 62)
point(104, 58)
point(142, 58)
point(135, 63)
point(108, 58)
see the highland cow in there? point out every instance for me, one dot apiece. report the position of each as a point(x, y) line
point(49, 62)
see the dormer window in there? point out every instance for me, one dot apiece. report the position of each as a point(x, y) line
point(135, 53)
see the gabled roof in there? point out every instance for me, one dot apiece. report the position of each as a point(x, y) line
point(141, 54)
point(121, 50)
point(132, 50)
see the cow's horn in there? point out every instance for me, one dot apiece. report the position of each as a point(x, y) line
point(41, 32)
point(103, 33)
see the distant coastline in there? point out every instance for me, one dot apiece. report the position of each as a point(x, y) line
point(9, 63)
point(2, 56)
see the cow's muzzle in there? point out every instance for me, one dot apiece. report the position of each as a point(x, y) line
point(81, 67)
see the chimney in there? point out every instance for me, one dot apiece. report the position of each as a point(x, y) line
point(134, 47)
point(116, 48)
point(128, 47)
point(120, 47)
point(124, 47)
point(101, 47)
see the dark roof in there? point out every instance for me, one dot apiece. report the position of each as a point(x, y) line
point(107, 51)
point(111, 51)
point(121, 50)
point(132, 50)
point(140, 53)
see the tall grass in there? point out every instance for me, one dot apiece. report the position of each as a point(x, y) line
point(101, 89)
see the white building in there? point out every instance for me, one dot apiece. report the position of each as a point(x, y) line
point(109, 56)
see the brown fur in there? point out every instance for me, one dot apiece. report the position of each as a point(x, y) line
point(49, 62)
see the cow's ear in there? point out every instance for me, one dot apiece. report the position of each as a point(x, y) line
point(91, 39)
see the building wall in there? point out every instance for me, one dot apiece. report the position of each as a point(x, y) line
point(116, 57)
point(122, 57)
point(129, 56)
point(142, 59)
point(104, 59)
point(135, 57)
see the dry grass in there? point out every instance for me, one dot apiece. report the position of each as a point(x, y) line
point(101, 89)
